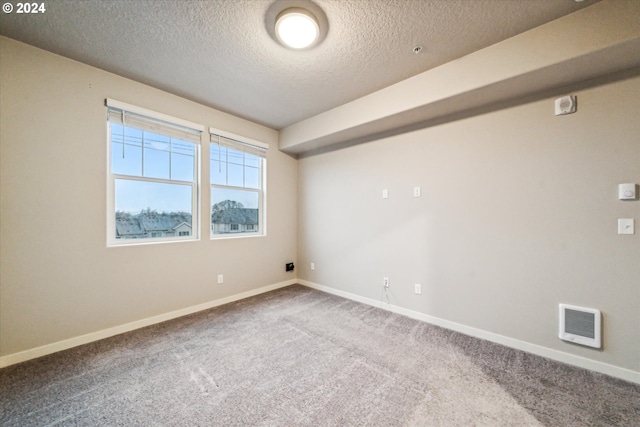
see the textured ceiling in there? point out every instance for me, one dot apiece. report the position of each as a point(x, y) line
point(219, 52)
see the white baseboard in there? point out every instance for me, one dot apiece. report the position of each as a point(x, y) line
point(604, 368)
point(33, 353)
point(559, 356)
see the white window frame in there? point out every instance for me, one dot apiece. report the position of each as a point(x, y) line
point(164, 122)
point(243, 143)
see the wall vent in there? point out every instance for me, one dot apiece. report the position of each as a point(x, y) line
point(580, 325)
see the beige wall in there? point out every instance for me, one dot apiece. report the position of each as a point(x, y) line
point(58, 279)
point(518, 214)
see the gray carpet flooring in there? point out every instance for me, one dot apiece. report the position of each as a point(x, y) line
point(300, 357)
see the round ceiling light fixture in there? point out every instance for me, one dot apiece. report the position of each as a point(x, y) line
point(284, 20)
point(297, 28)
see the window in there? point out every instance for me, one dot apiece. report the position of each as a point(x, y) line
point(153, 176)
point(237, 179)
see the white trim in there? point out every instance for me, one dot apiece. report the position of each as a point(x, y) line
point(604, 368)
point(238, 138)
point(559, 356)
point(44, 350)
point(153, 114)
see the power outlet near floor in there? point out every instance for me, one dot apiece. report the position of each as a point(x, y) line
point(220, 279)
point(417, 288)
point(385, 282)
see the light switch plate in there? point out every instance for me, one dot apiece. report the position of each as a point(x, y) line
point(626, 226)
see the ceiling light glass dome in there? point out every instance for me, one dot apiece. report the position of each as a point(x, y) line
point(297, 28)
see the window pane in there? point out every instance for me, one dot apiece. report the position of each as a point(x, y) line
point(152, 210)
point(235, 157)
point(131, 136)
point(182, 147)
point(252, 161)
point(157, 155)
point(164, 157)
point(156, 164)
point(181, 167)
point(126, 160)
point(218, 164)
point(157, 141)
point(234, 211)
point(217, 153)
point(235, 175)
point(218, 172)
point(126, 151)
point(251, 177)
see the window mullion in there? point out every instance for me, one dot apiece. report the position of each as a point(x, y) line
point(226, 166)
point(143, 151)
point(170, 155)
point(244, 170)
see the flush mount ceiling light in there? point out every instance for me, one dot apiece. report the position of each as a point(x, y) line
point(297, 28)
point(296, 24)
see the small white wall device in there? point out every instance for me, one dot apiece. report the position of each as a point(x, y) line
point(580, 325)
point(565, 105)
point(627, 191)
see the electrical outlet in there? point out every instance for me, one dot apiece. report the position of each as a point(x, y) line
point(220, 279)
point(313, 266)
point(385, 282)
point(418, 288)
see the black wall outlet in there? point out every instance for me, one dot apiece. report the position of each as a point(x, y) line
point(289, 266)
